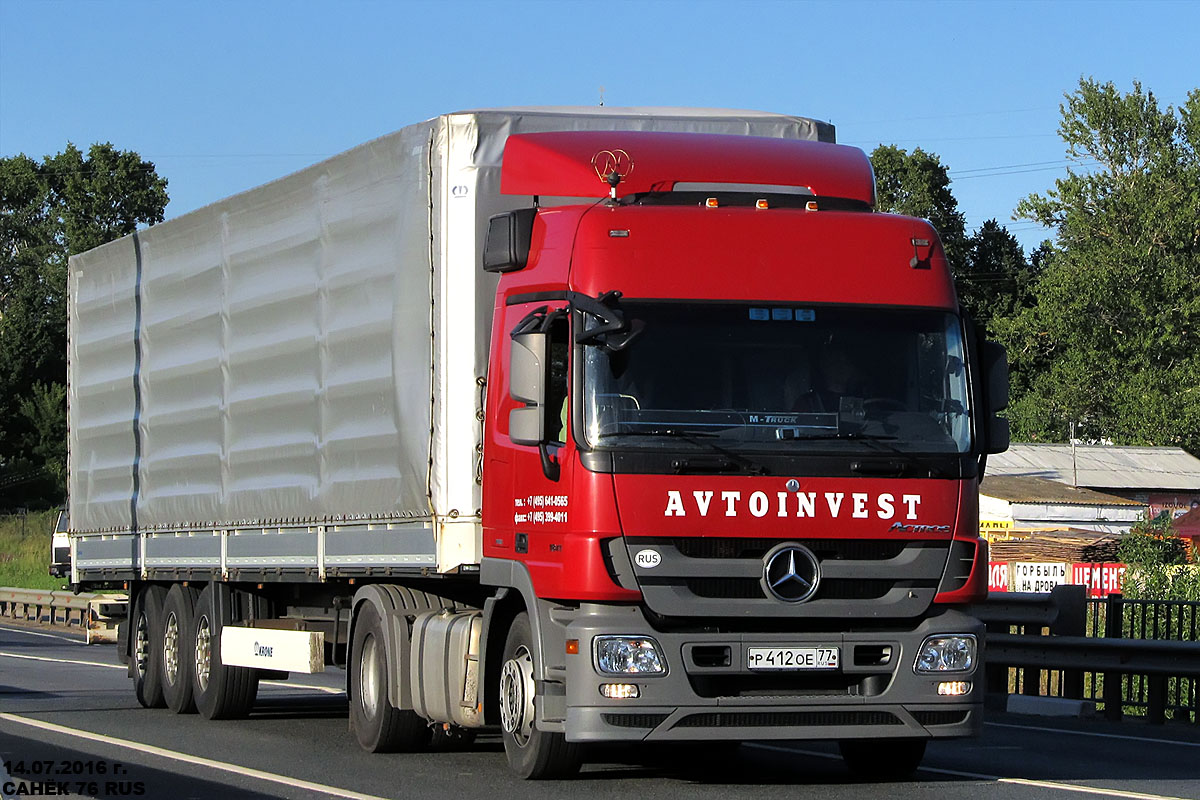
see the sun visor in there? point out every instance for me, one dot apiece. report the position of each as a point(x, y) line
point(580, 163)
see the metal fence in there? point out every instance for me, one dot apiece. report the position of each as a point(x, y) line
point(1137, 657)
point(97, 615)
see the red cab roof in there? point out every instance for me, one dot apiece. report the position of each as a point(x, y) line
point(575, 163)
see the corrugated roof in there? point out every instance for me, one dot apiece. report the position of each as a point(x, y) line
point(1102, 467)
point(1188, 524)
point(1016, 489)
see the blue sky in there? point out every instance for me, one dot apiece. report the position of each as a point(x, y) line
point(223, 96)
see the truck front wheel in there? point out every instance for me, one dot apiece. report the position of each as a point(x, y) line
point(882, 759)
point(532, 753)
point(378, 726)
point(146, 656)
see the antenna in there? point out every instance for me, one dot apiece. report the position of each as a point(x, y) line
point(602, 97)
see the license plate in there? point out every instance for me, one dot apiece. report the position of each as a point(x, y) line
point(792, 658)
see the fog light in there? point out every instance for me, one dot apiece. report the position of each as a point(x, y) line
point(954, 688)
point(946, 654)
point(623, 655)
point(619, 691)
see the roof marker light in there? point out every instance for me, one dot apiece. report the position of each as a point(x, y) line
point(811, 205)
point(711, 203)
point(761, 203)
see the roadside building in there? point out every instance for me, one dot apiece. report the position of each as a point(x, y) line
point(1160, 478)
point(1188, 527)
point(1017, 505)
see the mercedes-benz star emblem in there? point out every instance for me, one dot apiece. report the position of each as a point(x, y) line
point(791, 572)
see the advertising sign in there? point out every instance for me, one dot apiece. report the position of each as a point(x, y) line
point(1037, 576)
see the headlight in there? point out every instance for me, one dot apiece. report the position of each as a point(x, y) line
point(946, 654)
point(625, 655)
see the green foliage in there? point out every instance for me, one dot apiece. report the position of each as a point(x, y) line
point(66, 204)
point(991, 274)
point(1112, 339)
point(1157, 560)
point(25, 551)
point(917, 184)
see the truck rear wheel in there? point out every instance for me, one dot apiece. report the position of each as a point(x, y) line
point(146, 646)
point(882, 759)
point(532, 753)
point(378, 726)
point(178, 614)
point(221, 692)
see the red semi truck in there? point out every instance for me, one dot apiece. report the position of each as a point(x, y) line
point(593, 425)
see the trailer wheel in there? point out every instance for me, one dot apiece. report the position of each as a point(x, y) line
point(221, 692)
point(378, 726)
point(146, 647)
point(532, 753)
point(178, 614)
point(882, 759)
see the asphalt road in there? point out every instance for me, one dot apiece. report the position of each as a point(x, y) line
point(69, 722)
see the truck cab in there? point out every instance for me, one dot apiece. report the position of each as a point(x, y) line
point(738, 424)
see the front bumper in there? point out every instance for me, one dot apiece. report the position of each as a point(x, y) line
point(708, 693)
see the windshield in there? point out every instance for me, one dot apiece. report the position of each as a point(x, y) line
point(779, 378)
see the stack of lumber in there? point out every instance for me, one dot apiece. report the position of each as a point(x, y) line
point(1059, 546)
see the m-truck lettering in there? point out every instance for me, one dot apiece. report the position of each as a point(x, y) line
point(530, 465)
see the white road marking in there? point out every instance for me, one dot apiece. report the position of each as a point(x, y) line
point(161, 752)
point(70, 639)
point(1091, 733)
point(62, 660)
point(273, 684)
point(979, 776)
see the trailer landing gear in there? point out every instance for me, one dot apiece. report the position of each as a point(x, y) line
point(532, 753)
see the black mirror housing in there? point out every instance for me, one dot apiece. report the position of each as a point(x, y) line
point(506, 248)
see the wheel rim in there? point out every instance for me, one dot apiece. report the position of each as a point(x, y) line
point(368, 677)
point(203, 651)
point(171, 648)
point(516, 696)
point(141, 644)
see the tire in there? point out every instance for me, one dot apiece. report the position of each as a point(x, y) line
point(533, 754)
point(882, 759)
point(378, 726)
point(221, 692)
point(178, 612)
point(145, 657)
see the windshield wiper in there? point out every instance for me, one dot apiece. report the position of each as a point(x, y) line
point(678, 433)
point(729, 461)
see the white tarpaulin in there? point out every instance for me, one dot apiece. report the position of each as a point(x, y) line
point(309, 350)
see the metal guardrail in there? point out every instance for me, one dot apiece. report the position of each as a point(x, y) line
point(96, 614)
point(1021, 657)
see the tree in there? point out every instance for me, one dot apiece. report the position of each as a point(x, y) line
point(991, 274)
point(917, 184)
point(66, 204)
point(995, 279)
point(1113, 338)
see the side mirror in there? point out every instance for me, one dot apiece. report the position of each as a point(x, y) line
point(994, 360)
point(527, 384)
point(529, 371)
point(509, 235)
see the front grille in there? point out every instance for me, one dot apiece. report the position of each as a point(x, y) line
point(940, 717)
point(720, 578)
point(633, 720)
point(779, 719)
point(746, 588)
point(841, 549)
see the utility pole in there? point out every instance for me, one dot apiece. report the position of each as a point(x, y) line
point(1074, 467)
